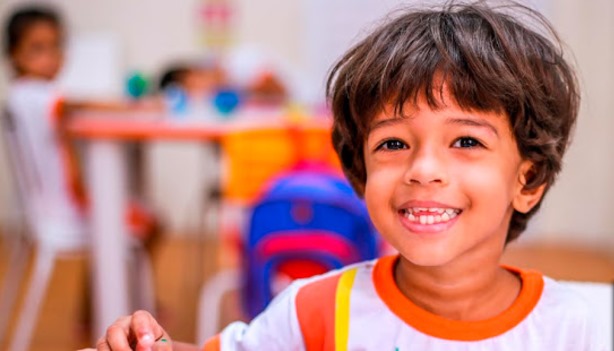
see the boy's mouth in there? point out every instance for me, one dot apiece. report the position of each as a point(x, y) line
point(430, 215)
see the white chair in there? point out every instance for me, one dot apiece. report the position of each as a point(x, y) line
point(52, 233)
point(18, 255)
point(209, 303)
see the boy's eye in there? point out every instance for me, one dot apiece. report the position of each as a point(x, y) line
point(466, 142)
point(392, 144)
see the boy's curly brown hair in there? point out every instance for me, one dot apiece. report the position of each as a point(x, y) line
point(488, 60)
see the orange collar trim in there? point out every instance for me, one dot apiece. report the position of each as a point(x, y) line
point(443, 328)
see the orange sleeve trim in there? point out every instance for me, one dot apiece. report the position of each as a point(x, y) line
point(213, 344)
point(72, 174)
point(443, 328)
point(57, 110)
point(68, 155)
point(315, 309)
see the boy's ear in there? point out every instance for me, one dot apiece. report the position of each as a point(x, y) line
point(526, 198)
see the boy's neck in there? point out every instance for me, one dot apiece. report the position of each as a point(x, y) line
point(460, 291)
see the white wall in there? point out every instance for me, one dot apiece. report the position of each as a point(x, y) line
point(578, 207)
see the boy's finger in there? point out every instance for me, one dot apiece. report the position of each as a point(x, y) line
point(146, 330)
point(102, 345)
point(163, 344)
point(117, 338)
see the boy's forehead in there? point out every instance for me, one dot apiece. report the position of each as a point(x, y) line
point(407, 107)
point(454, 114)
point(440, 97)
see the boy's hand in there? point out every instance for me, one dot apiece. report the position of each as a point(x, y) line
point(140, 332)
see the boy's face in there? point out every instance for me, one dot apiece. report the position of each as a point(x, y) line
point(39, 52)
point(442, 185)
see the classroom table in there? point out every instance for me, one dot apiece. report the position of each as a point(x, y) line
point(106, 171)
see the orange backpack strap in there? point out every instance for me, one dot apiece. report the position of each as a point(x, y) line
point(213, 344)
point(315, 309)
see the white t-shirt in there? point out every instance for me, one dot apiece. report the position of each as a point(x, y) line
point(43, 177)
point(361, 308)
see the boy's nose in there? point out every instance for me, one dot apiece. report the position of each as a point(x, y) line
point(426, 167)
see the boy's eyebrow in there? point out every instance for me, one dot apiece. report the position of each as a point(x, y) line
point(385, 122)
point(473, 122)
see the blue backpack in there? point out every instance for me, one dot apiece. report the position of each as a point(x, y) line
point(306, 223)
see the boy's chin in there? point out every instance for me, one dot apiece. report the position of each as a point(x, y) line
point(426, 259)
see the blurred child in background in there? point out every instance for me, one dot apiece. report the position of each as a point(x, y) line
point(253, 81)
point(197, 80)
point(34, 45)
point(190, 88)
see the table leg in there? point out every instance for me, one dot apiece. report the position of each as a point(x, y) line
point(107, 189)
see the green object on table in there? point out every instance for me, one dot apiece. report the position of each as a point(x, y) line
point(137, 85)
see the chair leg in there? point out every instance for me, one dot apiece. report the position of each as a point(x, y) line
point(144, 291)
point(20, 252)
point(210, 301)
point(41, 274)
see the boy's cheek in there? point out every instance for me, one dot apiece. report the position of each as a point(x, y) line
point(379, 176)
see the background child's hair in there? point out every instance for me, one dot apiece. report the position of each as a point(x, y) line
point(173, 76)
point(486, 59)
point(22, 20)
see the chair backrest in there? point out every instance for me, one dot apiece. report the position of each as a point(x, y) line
point(26, 177)
point(41, 188)
point(305, 223)
point(254, 156)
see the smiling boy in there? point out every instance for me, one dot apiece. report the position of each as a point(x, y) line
point(452, 123)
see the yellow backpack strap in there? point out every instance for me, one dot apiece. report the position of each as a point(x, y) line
point(342, 309)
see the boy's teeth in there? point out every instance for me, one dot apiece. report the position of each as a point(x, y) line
point(430, 219)
point(430, 215)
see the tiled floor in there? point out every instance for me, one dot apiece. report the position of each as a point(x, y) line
point(182, 265)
